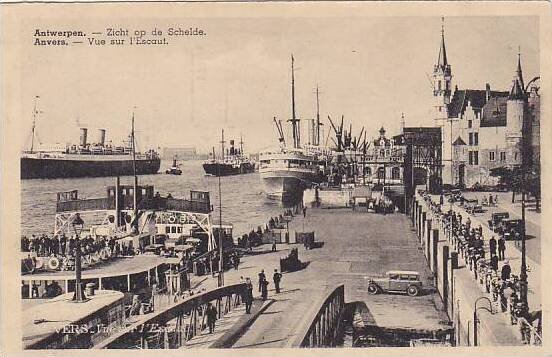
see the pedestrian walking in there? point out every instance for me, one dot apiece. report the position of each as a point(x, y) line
point(501, 247)
point(248, 296)
point(211, 317)
point(264, 290)
point(262, 277)
point(492, 246)
point(274, 245)
point(304, 212)
point(277, 278)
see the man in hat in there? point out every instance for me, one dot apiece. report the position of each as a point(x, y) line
point(492, 246)
point(501, 247)
point(277, 277)
point(248, 296)
point(262, 278)
point(211, 317)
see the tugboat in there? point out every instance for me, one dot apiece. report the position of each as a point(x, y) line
point(174, 170)
point(233, 163)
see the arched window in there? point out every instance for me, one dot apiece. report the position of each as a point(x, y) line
point(395, 173)
point(381, 173)
point(368, 171)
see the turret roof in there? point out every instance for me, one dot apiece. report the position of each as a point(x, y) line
point(442, 60)
point(517, 91)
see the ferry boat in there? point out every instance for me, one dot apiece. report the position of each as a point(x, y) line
point(234, 162)
point(287, 171)
point(86, 159)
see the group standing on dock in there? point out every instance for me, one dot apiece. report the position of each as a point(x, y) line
point(504, 287)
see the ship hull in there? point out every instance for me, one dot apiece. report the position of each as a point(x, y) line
point(218, 169)
point(37, 168)
point(285, 185)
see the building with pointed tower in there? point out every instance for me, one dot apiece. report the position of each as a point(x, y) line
point(482, 129)
point(442, 81)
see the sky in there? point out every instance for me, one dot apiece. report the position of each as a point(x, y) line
point(237, 77)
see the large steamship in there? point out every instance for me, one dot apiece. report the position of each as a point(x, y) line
point(287, 171)
point(234, 162)
point(87, 159)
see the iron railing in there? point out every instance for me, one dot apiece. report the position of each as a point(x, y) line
point(530, 334)
point(321, 327)
point(157, 203)
point(175, 326)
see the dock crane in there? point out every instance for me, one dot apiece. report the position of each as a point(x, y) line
point(281, 138)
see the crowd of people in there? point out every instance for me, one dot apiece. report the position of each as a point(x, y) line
point(482, 256)
point(45, 245)
point(255, 237)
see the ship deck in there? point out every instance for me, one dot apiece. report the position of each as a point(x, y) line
point(117, 267)
point(60, 312)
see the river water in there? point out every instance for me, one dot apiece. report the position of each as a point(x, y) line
point(243, 202)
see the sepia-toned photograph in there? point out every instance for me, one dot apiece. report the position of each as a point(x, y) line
point(277, 175)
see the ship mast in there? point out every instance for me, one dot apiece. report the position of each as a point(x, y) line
point(241, 144)
point(317, 130)
point(222, 145)
point(220, 232)
point(135, 195)
point(294, 121)
point(35, 112)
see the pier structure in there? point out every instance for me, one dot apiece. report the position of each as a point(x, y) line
point(114, 215)
point(332, 283)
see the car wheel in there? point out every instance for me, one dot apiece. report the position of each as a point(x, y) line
point(373, 289)
point(412, 290)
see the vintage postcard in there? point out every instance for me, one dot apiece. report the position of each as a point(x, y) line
point(350, 177)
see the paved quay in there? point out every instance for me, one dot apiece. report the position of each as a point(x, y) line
point(356, 245)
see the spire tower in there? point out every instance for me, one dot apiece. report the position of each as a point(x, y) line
point(442, 59)
point(519, 73)
point(518, 87)
point(442, 78)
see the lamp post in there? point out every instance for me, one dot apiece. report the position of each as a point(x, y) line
point(475, 318)
point(525, 156)
point(78, 225)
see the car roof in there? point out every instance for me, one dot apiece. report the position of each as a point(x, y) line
point(403, 272)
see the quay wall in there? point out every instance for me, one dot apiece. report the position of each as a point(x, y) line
point(456, 284)
point(327, 198)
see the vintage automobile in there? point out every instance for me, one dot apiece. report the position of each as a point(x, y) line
point(472, 206)
point(496, 219)
point(401, 281)
point(510, 227)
